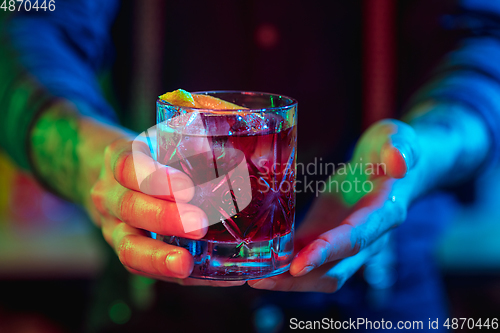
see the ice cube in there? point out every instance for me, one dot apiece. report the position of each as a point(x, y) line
point(248, 123)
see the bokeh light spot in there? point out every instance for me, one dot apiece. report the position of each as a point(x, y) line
point(269, 319)
point(119, 312)
point(266, 36)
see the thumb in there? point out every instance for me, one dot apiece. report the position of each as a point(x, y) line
point(400, 151)
point(133, 166)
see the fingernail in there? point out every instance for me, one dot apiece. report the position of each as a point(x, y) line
point(404, 151)
point(175, 264)
point(305, 270)
point(264, 284)
point(179, 184)
point(194, 224)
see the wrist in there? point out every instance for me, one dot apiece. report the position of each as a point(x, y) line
point(95, 136)
point(67, 150)
point(453, 140)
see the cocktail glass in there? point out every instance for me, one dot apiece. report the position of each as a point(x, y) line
point(242, 163)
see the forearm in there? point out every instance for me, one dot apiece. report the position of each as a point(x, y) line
point(67, 150)
point(453, 142)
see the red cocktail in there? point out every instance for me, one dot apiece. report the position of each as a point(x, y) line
point(242, 163)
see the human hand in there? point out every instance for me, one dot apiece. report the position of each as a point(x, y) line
point(348, 224)
point(124, 209)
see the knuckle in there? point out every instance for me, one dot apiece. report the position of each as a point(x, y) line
point(127, 205)
point(360, 243)
point(97, 198)
point(115, 154)
point(95, 194)
point(118, 166)
point(124, 250)
point(325, 245)
point(113, 146)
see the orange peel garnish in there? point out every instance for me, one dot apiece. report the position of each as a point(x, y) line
point(183, 98)
point(179, 97)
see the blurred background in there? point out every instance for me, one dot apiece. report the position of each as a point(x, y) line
point(348, 63)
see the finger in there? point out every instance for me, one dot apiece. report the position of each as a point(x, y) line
point(162, 217)
point(134, 168)
point(141, 253)
point(315, 281)
point(347, 267)
point(211, 283)
point(358, 231)
point(391, 143)
point(189, 281)
point(320, 218)
point(328, 278)
point(399, 153)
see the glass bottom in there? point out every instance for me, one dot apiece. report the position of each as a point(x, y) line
point(237, 261)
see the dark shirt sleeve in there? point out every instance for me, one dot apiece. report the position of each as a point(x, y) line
point(471, 73)
point(49, 55)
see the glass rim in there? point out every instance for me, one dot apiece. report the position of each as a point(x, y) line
point(293, 102)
